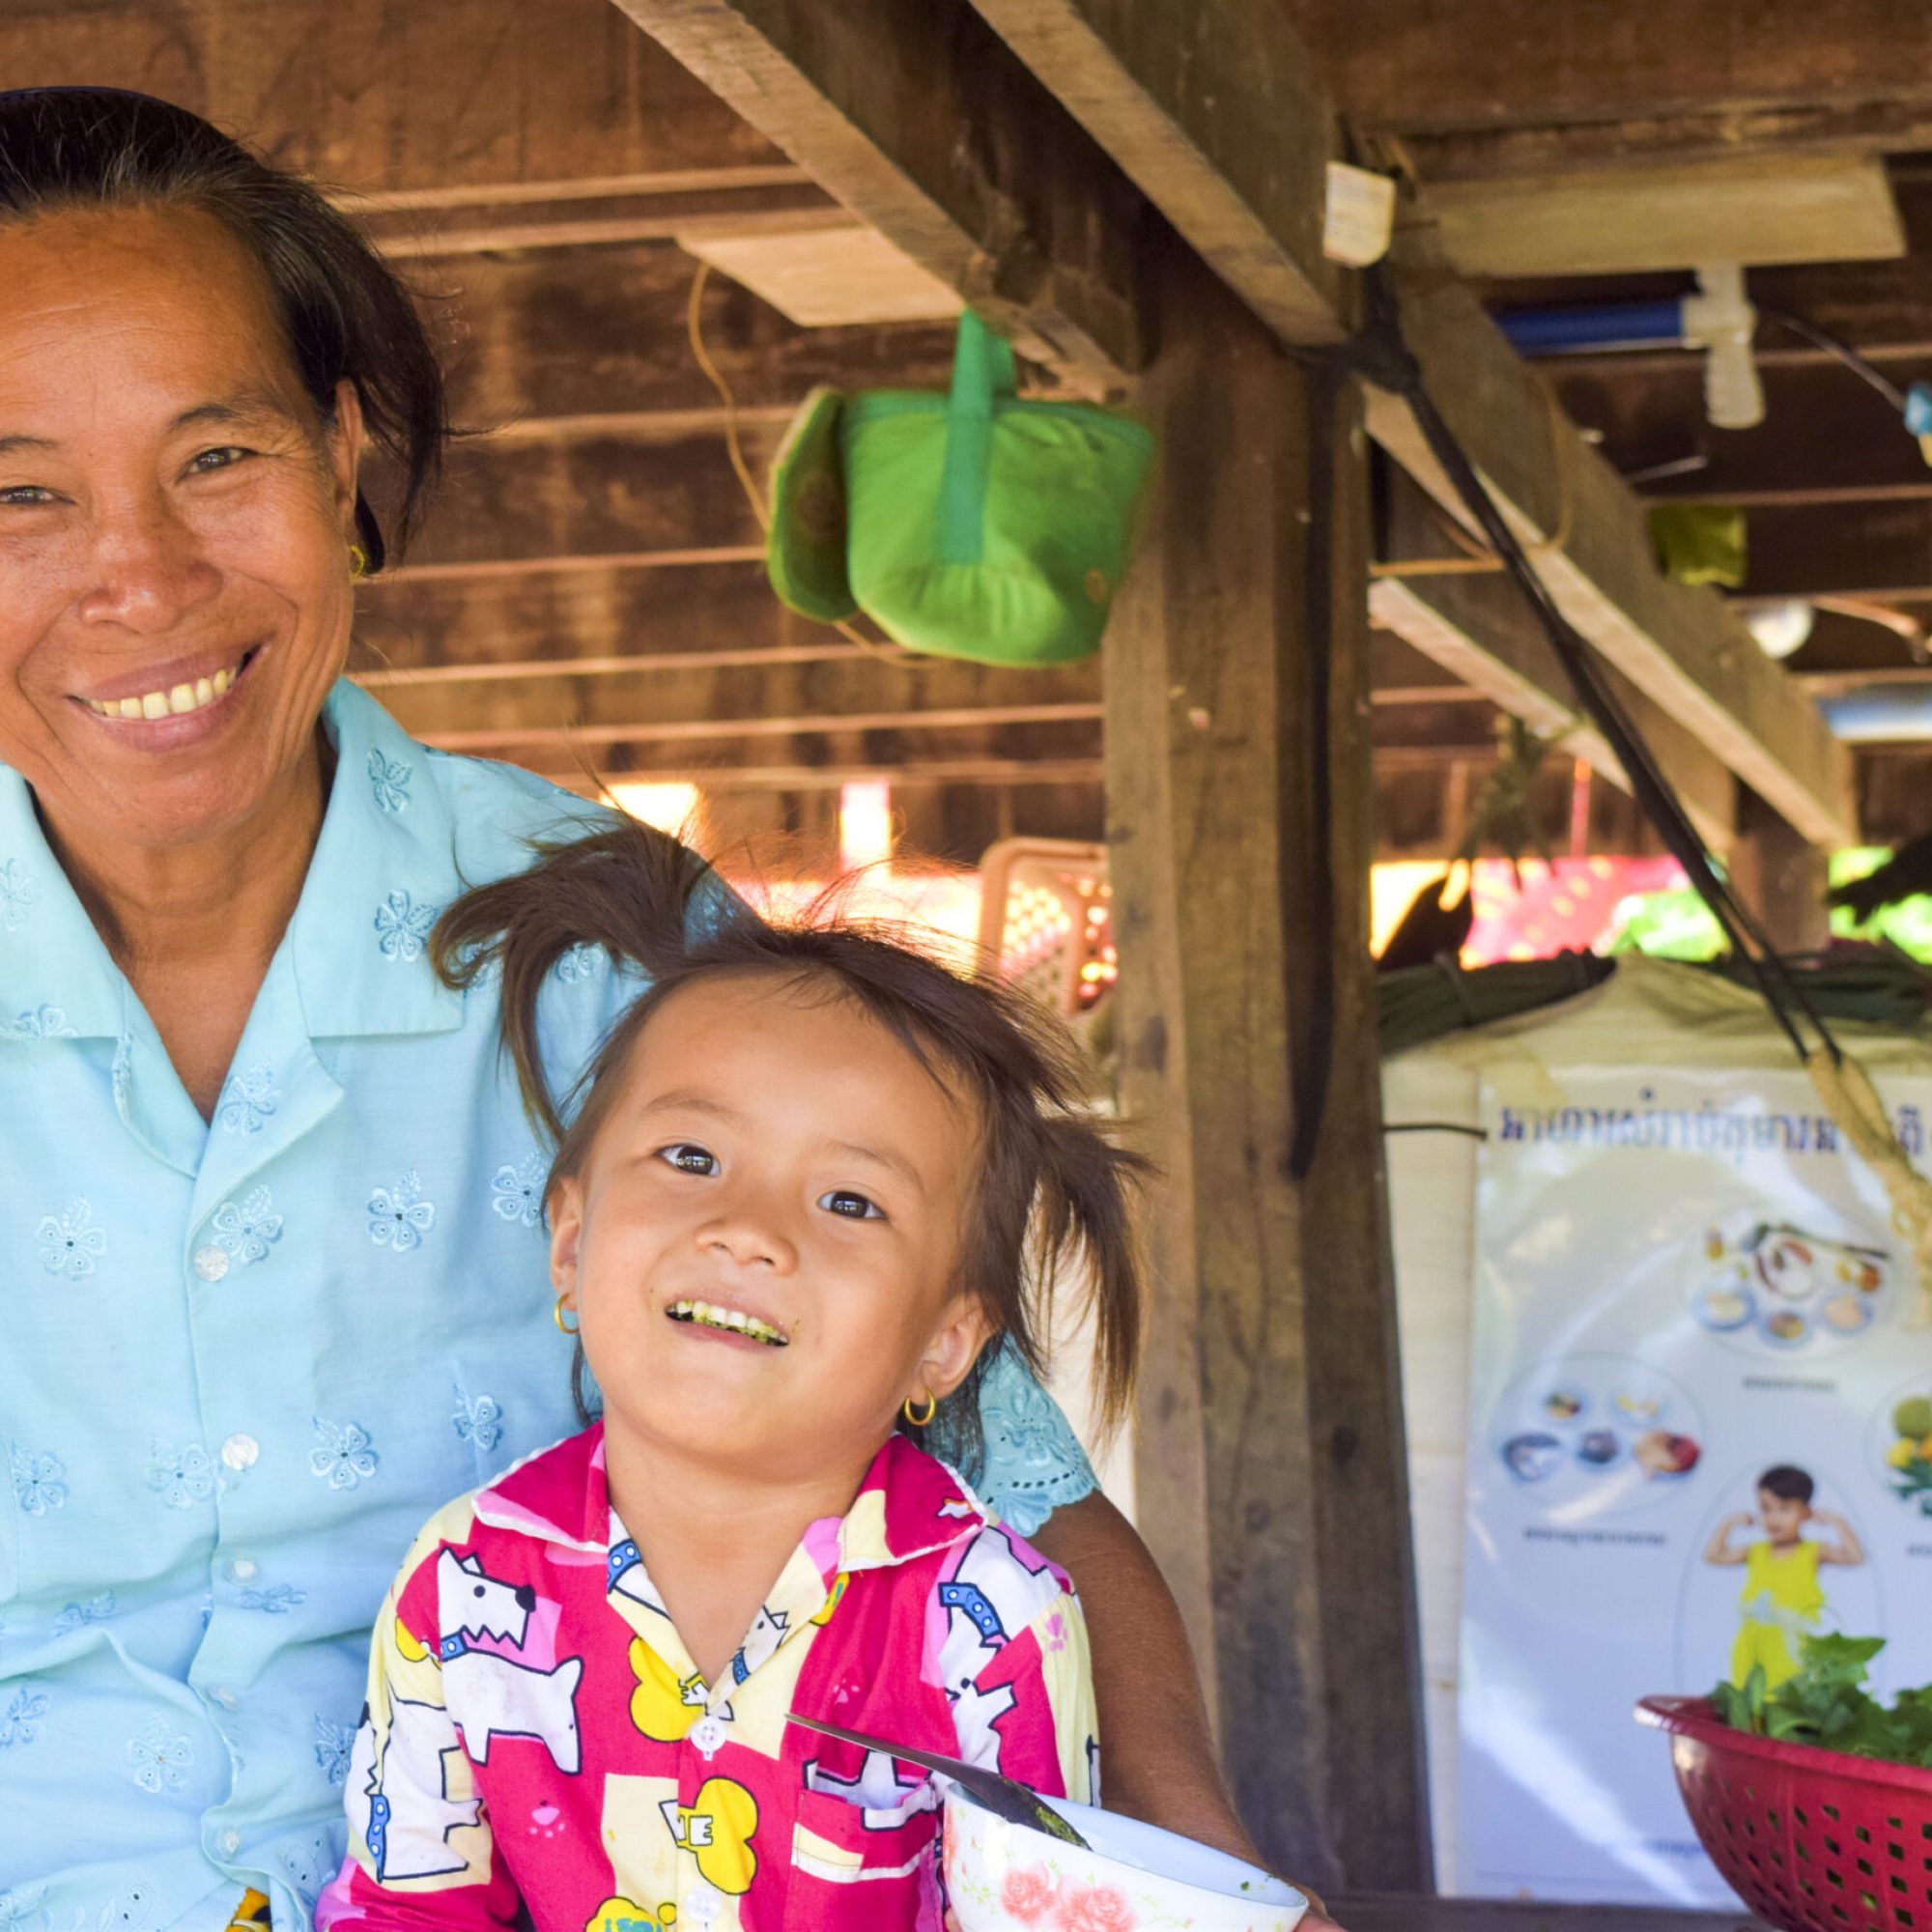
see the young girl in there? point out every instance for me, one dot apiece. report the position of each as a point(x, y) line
point(809, 1181)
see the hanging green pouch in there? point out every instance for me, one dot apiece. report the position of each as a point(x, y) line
point(983, 526)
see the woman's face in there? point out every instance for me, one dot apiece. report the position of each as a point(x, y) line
point(175, 595)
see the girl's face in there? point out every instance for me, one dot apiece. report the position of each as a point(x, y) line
point(762, 1246)
point(1782, 1517)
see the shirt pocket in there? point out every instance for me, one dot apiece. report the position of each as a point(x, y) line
point(848, 1872)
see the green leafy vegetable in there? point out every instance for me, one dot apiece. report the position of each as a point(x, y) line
point(1828, 1704)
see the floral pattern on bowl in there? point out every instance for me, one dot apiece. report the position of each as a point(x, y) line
point(1002, 1877)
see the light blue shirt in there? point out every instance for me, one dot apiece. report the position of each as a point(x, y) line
point(241, 1361)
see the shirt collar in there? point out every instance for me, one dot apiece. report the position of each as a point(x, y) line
point(384, 865)
point(57, 979)
point(909, 1504)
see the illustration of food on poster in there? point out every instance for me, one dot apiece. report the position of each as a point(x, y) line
point(1700, 1426)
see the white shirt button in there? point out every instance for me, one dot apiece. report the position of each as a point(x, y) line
point(219, 1693)
point(708, 1735)
point(243, 1570)
point(240, 1452)
point(228, 1843)
point(210, 1263)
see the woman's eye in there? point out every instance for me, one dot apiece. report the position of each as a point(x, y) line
point(31, 494)
point(854, 1206)
point(224, 458)
point(690, 1158)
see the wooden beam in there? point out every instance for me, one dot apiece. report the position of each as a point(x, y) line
point(1782, 878)
point(1821, 208)
point(830, 276)
point(827, 776)
point(1216, 110)
point(923, 125)
point(1851, 127)
point(1269, 1459)
point(365, 94)
point(731, 701)
point(1413, 65)
point(1477, 628)
point(1593, 552)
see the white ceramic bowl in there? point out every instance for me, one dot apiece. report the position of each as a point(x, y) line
point(1010, 1878)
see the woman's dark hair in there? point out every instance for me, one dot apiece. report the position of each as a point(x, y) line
point(1053, 1188)
point(1788, 1484)
point(345, 313)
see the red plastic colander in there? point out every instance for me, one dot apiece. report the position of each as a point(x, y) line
point(1813, 1840)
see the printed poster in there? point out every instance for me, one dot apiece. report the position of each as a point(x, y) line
point(1700, 1425)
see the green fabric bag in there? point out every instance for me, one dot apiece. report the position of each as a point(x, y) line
point(977, 525)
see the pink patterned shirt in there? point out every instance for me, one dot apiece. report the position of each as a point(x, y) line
point(537, 1737)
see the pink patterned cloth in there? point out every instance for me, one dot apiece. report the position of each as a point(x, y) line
point(537, 1737)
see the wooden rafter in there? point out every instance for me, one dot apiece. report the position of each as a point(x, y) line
point(1026, 218)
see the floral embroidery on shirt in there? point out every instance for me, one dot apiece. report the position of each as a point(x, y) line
point(278, 1600)
point(247, 1101)
point(161, 1757)
point(248, 1231)
point(478, 1420)
point(69, 1243)
point(15, 1905)
point(516, 1193)
point(402, 926)
point(40, 1023)
point(343, 1455)
point(21, 1722)
point(579, 964)
point(334, 1742)
point(19, 894)
point(76, 1616)
point(389, 780)
point(399, 1218)
point(181, 1477)
point(39, 1482)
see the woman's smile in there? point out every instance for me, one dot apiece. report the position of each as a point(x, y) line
point(164, 693)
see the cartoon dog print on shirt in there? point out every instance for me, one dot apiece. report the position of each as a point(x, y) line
point(489, 1693)
point(411, 1811)
point(990, 1599)
point(471, 1605)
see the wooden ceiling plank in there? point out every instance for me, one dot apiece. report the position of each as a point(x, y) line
point(1417, 66)
point(1679, 646)
point(372, 95)
point(1824, 208)
point(923, 125)
point(1214, 109)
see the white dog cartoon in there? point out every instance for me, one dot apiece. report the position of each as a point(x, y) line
point(470, 1604)
point(491, 1697)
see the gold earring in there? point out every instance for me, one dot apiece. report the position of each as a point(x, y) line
point(920, 1421)
point(358, 561)
point(557, 1315)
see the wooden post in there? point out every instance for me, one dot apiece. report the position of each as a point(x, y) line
point(1270, 1467)
point(1781, 876)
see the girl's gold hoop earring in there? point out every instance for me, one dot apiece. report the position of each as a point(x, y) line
point(920, 1421)
point(557, 1315)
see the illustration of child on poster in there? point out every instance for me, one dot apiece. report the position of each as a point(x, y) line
point(1783, 1597)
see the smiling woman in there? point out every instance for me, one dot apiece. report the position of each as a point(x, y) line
point(271, 1243)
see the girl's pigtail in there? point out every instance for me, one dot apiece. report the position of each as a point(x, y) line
point(1085, 1222)
point(626, 889)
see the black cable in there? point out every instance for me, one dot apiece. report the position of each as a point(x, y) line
point(1380, 353)
point(1858, 364)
